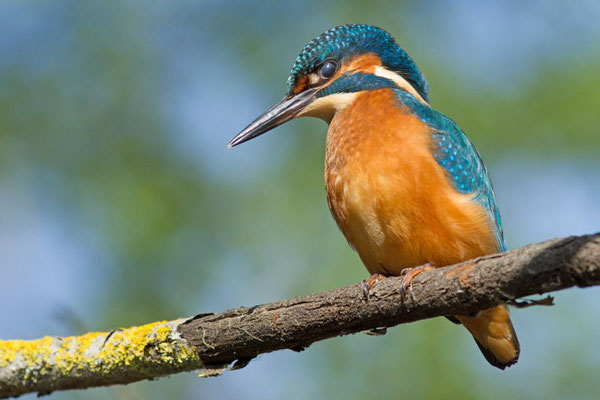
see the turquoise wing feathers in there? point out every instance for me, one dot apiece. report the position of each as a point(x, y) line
point(457, 155)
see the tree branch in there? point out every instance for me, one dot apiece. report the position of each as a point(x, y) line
point(212, 342)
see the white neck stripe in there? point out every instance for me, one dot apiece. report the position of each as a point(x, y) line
point(399, 80)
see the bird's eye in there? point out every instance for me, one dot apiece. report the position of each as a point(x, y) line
point(328, 69)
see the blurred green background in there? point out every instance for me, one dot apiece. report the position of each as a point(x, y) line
point(119, 204)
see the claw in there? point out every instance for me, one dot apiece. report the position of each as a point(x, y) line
point(408, 275)
point(368, 283)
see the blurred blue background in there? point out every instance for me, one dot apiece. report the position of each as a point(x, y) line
point(119, 204)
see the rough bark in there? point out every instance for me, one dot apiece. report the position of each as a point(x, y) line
point(212, 342)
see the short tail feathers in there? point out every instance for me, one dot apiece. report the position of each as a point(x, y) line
point(495, 335)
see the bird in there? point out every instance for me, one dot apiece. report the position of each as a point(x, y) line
point(405, 185)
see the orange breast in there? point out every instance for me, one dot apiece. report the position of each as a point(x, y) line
point(388, 195)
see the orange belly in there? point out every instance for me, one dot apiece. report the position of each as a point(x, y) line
point(392, 201)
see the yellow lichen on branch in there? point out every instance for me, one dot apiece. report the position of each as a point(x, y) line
point(140, 351)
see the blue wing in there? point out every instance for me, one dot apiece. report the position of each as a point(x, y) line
point(457, 155)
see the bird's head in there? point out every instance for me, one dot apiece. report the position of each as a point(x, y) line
point(332, 69)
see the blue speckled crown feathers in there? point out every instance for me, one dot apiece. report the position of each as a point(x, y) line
point(345, 41)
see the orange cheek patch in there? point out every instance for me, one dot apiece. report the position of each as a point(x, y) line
point(301, 85)
point(364, 63)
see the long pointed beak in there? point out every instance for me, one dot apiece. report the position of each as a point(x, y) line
point(281, 112)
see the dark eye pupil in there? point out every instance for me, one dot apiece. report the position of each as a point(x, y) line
point(328, 69)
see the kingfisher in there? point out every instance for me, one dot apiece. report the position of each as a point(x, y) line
point(404, 184)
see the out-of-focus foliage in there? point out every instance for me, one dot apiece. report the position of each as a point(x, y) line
point(121, 205)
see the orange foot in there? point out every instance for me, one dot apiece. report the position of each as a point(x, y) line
point(368, 283)
point(408, 274)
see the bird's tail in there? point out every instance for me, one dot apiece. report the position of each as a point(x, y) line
point(495, 335)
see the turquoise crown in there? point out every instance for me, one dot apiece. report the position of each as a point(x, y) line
point(346, 41)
